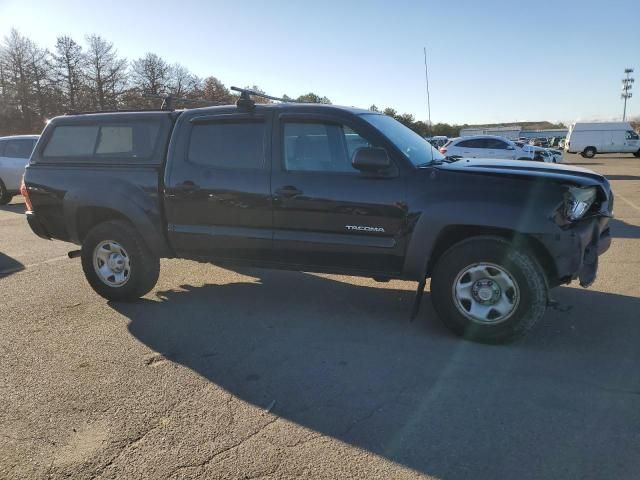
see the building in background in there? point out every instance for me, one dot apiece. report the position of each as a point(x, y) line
point(513, 133)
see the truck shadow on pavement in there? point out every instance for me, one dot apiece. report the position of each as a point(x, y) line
point(622, 229)
point(9, 265)
point(13, 208)
point(343, 360)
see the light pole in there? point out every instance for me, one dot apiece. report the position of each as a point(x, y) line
point(627, 83)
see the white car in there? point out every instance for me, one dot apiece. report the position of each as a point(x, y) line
point(14, 157)
point(491, 146)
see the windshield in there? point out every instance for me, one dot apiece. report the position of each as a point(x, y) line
point(413, 146)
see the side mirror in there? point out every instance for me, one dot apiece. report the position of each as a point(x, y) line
point(371, 159)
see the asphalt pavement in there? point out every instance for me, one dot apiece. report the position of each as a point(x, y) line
point(263, 374)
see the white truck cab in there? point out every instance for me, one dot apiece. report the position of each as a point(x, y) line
point(590, 138)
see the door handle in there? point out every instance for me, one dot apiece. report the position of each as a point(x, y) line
point(288, 191)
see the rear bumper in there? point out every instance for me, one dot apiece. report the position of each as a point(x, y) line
point(576, 250)
point(36, 226)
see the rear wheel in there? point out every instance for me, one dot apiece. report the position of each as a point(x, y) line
point(486, 291)
point(117, 263)
point(5, 197)
point(589, 152)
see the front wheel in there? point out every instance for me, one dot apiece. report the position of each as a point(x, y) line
point(486, 291)
point(589, 152)
point(117, 263)
point(637, 154)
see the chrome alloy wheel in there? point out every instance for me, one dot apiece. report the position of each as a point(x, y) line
point(112, 263)
point(486, 293)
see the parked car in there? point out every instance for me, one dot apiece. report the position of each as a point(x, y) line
point(539, 142)
point(279, 186)
point(491, 146)
point(556, 155)
point(590, 138)
point(14, 157)
point(438, 140)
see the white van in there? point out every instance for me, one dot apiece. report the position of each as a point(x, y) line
point(589, 138)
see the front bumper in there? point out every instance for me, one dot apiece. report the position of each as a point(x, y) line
point(575, 251)
point(37, 226)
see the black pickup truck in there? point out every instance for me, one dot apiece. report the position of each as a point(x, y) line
point(316, 188)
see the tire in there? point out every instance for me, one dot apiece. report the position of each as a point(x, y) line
point(523, 304)
point(589, 152)
point(637, 154)
point(5, 197)
point(115, 245)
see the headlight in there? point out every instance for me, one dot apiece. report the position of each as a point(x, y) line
point(578, 201)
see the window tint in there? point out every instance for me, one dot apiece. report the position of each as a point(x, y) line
point(228, 145)
point(353, 141)
point(19, 148)
point(72, 141)
point(115, 140)
point(630, 135)
point(495, 144)
point(474, 143)
point(320, 147)
point(135, 140)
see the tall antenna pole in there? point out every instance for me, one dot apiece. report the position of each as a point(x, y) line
point(627, 83)
point(426, 76)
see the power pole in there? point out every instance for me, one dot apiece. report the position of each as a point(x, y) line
point(627, 83)
point(426, 75)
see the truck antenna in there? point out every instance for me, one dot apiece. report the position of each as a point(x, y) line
point(169, 101)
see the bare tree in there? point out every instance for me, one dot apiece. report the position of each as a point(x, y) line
point(181, 81)
point(42, 83)
point(150, 74)
point(105, 72)
point(14, 58)
point(69, 63)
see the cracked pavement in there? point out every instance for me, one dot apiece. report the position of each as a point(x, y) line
point(182, 384)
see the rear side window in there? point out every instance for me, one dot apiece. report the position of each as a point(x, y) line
point(134, 140)
point(475, 143)
point(19, 148)
point(228, 144)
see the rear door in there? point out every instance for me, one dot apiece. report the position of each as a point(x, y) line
point(217, 186)
point(14, 160)
point(326, 214)
point(469, 148)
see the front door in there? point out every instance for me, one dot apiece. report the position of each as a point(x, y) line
point(326, 214)
point(217, 192)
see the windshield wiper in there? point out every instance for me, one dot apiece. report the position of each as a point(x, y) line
point(439, 161)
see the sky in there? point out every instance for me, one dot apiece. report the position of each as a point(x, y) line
point(489, 61)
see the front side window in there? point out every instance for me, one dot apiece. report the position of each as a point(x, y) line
point(496, 144)
point(320, 147)
point(19, 148)
point(631, 135)
point(228, 145)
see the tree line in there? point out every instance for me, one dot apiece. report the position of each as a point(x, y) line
point(38, 83)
